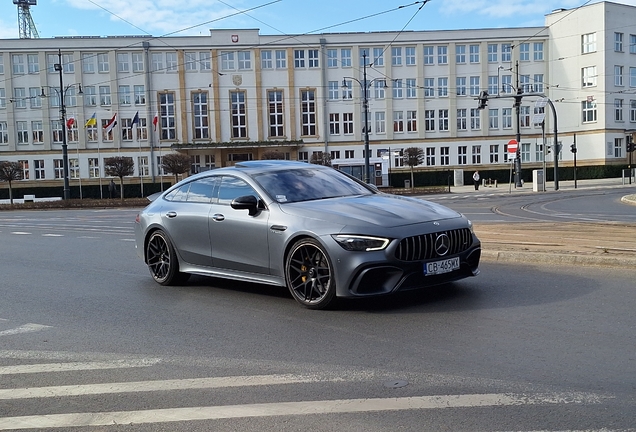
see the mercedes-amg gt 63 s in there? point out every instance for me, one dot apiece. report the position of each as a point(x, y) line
point(312, 228)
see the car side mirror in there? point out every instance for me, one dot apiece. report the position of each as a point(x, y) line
point(246, 202)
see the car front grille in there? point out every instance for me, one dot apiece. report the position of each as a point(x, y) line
point(422, 247)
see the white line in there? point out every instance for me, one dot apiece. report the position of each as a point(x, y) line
point(21, 233)
point(26, 328)
point(75, 366)
point(289, 408)
point(52, 235)
point(163, 385)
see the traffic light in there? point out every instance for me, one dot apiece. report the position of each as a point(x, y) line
point(483, 100)
point(573, 148)
point(630, 147)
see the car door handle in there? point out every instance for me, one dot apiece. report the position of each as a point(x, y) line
point(218, 217)
point(171, 214)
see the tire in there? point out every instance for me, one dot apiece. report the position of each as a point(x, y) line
point(162, 260)
point(309, 275)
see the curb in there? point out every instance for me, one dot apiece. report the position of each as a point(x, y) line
point(629, 199)
point(556, 259)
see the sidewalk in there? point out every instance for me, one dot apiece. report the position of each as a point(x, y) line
point(569, 243)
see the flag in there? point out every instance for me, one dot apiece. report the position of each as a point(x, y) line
point(91, 121)
point(70, 122)
point(111, 124)
point(155, 120)
point(135, 120)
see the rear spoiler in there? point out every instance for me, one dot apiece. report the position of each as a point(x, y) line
point(154, 196)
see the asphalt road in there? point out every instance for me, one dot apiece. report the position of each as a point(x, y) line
point(83, 329)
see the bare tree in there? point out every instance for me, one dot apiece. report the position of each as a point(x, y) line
point(119, 166)
point(176, 163)
point(273, 155)
point(321, 158)
point(413, 156)
point(10, 171)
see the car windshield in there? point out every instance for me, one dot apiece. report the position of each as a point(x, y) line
point(308, 184)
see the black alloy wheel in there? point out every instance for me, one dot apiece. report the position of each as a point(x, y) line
point(309, 274)
point(162, 260)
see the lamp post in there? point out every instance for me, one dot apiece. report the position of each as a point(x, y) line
point(364, 85)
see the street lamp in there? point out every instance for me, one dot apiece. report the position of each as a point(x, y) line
point(62, 95)
point(364, 85)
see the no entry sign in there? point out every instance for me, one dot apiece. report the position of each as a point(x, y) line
point(512, 146)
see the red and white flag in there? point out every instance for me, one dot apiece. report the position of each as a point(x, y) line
point(70, 122)
point(155, 120)
point(111, 124)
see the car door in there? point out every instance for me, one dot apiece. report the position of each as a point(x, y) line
point(185, 217)
point(239, 241)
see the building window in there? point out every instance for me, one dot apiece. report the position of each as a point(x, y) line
point(494, 153)
point(632, 44)
point(525, 152)
point(429, 87)
point(17, 61)
point(396, 56)
point(34, 97)
point(460, 84)
point(72, 134)
point(140, 95)
point(474, 53)
point(107, 135)
point(104, 95)
point(506, 118)
point(632, 111)
point(524, 82)
point(442, 87)
point(460, 53)
point(380, 122)
point(429, 120)
point(538, 83)
point(122, 62)
point(19, 98)
point(244, 60)
point(588, 43)
point(124, 95)
point(506, 52)
point(493, 85)
point(33, 63)
point(56, 130)
point(299, 59)
point(200, 115)
point(618, 147)
point(142, 166)
point(22, 132)
point(618, 110)
point(167, 116)
point(492, 53)
point(227, 60)
point(58, 168)
point(475, 119)
point(589, 111)
point(442, 55)
point(378, 57)
point(137, 62)
point(204, 61)
point(37, 132)
point(474, 85)
point(88, 62)
point(430, 156)
point(429, 55)
point(93, 168)
point(588, 76)
point(476, 154)
point(524, 116)
point(443, 119)
point(171, 61)
point(142, 130)
point(238, 114)
point(379, 87)
point(332, 58)
point(276, 114)
point(398, 121)
point(411, 121)
point(632, 77)
point(190, 59)
point(4, 133)
point(349, 154)
point(397, 89)
point(493, 118)
point(461, 119)
point(281, 59)
point(73, 168)
point(409, 56)
point(618, 76)
point(38, 167)
point(444, 156)
point(314, 57)
point(334, 124)
point(91, 133)
point(461, 155)
point(538, 51)
point(102, 63)
point(506, 84)
point(524, 52)
point(618, 42)
point(266, 59)
point(345, 57)
point(90, 98)
point(411, 88)
point(347, 123)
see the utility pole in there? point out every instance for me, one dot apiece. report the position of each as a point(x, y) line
point(518, 110)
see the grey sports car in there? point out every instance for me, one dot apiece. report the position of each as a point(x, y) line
point(312, 228)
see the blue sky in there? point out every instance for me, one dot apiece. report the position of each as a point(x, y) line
point(274, 17)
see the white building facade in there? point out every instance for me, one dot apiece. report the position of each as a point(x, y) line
point(236, 94)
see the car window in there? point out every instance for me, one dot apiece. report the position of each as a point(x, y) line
point(202, 190)
point(232, 187)
point(179, 194)
point(293, 185)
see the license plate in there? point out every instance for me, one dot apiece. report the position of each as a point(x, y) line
point(443, 266)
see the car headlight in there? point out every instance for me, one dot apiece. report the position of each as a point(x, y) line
point(470, 225)
point(360, 243)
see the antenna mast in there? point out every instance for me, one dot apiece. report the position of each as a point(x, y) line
point(25, 21)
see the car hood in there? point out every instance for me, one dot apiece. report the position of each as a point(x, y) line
point(382, 210)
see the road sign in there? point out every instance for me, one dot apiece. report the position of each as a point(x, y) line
point(512, 146)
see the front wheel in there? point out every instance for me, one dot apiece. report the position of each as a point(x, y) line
point(162, 260)
point(309, 274)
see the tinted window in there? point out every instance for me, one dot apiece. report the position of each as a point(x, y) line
point(202, 190)
point(232, 187)
point(179, 194)
point(309, 184)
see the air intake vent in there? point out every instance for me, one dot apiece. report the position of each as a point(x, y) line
point(422, 247)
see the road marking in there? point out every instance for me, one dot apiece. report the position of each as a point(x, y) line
point(76, 366)
point(21, 233)
point(26, 328)
point(289, 409)
point(162, 385)
point(52, 235)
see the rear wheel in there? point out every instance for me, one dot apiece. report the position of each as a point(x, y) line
point(162, 260)
point(309, 275)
